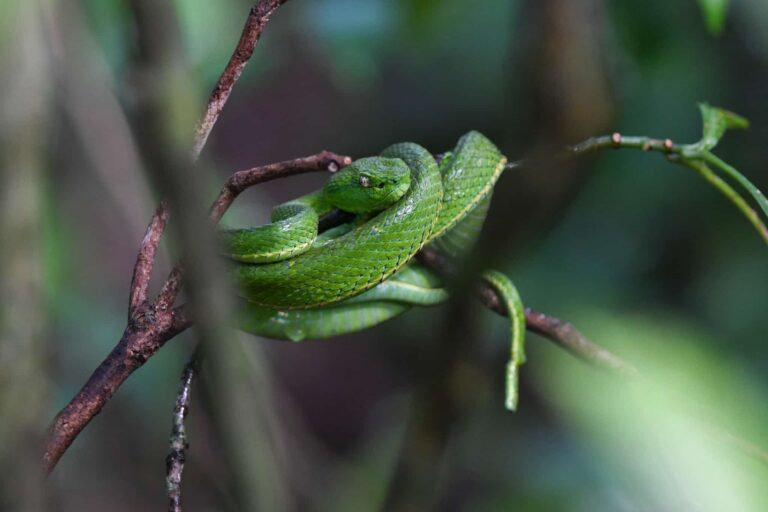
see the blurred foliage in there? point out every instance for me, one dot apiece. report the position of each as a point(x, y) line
point(672, 439)
point(640, 255)
point(714, 14)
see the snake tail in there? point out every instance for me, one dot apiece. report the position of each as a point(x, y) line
point(511, 298)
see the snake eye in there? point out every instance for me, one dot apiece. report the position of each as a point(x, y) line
point(380, 185)
point(365, 181)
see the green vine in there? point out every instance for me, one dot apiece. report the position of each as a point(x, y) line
point(698, 156)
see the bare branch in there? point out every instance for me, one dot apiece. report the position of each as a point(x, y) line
point(241, 180)
point(170, 289)
point(177, 453)
point(617, 140)
point(141, 339)
point(254, 26)
point(568, 337)
point(142, 271)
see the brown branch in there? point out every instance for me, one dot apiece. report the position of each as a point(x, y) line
point(143, 336)
point(142, 271)
point(254, 26)
point(568, 337)
point(560, 332)
point(241, 180)
point(177, 453)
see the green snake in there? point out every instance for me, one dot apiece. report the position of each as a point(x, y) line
point(298, 284)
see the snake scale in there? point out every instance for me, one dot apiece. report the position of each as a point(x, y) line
point(299, 285)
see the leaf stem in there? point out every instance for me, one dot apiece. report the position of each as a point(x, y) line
point(731, 171)
point(704, 170)
point(695, 157)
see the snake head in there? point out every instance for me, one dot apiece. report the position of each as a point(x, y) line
point(368, 185)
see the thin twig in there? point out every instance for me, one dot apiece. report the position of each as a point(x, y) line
point(617, 140)
point(142, 271)
point(568, 337)
point(241, 180)
point(688, 155)
point(177, 453)
point(254, 26)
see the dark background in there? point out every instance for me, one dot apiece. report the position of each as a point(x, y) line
point(640, 254)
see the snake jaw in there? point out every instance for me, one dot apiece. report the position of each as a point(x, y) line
point(370, 184)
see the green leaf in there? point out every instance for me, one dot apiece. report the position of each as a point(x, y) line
point(715, 122)
point(714, 14)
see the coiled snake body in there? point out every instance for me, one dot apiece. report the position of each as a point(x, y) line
point(299, 285)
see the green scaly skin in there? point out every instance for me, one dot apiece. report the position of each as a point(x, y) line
point(370, 185)
point(358, 260)
point(411, 286)
point(319, 307)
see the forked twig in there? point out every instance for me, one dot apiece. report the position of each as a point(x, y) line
point(153, 324)
point(142, 270)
